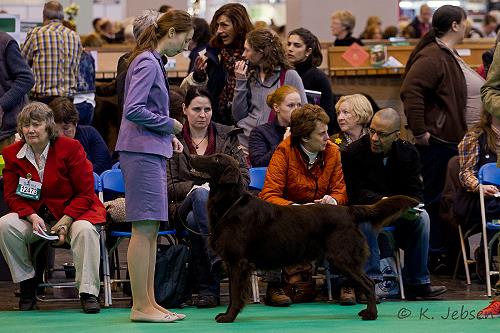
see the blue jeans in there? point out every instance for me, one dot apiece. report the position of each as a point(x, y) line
point(413, 238)
point(194, 211)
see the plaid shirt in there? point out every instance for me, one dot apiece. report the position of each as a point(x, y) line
point(468, 153)
point(53, 51)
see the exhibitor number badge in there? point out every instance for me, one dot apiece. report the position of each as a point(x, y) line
point(29, 189)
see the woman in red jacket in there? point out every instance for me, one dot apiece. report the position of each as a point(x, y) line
point(49, 187)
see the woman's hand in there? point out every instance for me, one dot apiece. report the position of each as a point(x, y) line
point(240, 70)
point(200, 67)
point(287, 133)
point(490, 190)
point(61, 229)
point(37, 222)
point(177, 126)
point(177, 146)
point(326, 200)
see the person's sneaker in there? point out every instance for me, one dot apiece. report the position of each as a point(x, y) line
point(89, 302)
point(423, 291)
point(27, 295)
point(491, 311)
point(206, 301)
point(347, 296)
point(275, 296)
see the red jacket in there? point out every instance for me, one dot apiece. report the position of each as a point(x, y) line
point(288, 180)
point(68, 182)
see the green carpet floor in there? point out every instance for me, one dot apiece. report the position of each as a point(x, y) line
point(407, 317)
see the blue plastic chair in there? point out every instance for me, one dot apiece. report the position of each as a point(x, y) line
point(257, 178)
point(116, 165)
point(488, 174)
point(112, 180)
point(97, 183)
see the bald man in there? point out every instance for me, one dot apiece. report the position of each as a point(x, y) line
point(422, 22)
point(380, 165)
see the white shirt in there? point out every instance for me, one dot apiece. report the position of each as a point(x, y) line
point(27, 152)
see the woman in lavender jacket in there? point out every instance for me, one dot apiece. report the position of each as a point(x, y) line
point(145, 141)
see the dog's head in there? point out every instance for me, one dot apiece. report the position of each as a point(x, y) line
point(222, 168)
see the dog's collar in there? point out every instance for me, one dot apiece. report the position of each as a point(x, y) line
point(229, 209)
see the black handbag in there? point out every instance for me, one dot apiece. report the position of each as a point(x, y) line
point(171, 275)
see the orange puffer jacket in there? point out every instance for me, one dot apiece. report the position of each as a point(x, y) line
point(288, 180)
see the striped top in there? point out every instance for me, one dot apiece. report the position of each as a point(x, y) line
point(53, 52)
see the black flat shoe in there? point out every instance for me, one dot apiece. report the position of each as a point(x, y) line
point(423, 291)
point(90, 303)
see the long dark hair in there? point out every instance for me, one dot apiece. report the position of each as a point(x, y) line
point(442, 20)
point(273, 53)
point(311, 42)
point(148, 40)
point(238, 15)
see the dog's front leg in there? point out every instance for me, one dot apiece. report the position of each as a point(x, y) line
point(238, 276)
point(370, 313)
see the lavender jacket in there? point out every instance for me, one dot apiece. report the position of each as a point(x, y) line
point(146, 126)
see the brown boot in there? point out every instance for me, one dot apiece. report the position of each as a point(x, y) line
point(347, 296)
point(275, 296)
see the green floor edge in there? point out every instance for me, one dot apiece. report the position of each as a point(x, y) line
point(407, 317)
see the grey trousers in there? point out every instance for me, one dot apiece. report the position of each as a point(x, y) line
point(83, 238)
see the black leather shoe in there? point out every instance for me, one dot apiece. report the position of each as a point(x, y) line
point(27, 295)
point(206, 301)
point(90, 303)
point(423, 291)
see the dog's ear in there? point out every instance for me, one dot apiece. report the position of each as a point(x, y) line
point(230, 175)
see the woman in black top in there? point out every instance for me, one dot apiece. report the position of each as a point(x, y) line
point(304, 52)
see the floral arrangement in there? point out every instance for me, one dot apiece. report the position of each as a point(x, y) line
point(72, 11)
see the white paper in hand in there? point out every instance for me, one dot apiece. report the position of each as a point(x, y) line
point(43, 234)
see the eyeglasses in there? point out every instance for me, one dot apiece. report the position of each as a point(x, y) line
point(381, 135)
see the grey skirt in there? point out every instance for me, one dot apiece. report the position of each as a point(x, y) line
point(145, 178)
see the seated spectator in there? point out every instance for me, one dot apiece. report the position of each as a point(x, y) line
point(390, 32)
point(471, 31)
point(304, 169)
point(265, 138)
point(267, 70)
point(354, 113)
point(189, 191)
point(66, 119)
point(109, 34)
point(490, 25)
point(304, 53)
point(381, 165)
point(421, 24)
point(342, 25)
point(373, 32)
point(371, 21)
point(477, 148)
point(67, 205)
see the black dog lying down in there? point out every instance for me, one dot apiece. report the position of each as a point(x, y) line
point(249, 233)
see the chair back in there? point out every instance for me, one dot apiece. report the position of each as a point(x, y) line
point(257, 177)
point(116, 165)
point(489, 174)
point(97, 183)
point(112, 180)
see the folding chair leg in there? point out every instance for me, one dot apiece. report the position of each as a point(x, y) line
point(105, 270)
point(397, 255)
point(255, 288)
point(328, 277)
point(464, 255)
point(485, 240)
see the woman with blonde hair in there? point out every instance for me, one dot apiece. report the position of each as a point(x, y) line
point(354, 113)
point(267, 70)
point(265, 138)
point(342, 25)
point(145, 141)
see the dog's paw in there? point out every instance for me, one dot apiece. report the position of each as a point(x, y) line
point(367, 315)
point(224, 318)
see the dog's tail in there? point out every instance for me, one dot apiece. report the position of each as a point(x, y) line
point(384, 211)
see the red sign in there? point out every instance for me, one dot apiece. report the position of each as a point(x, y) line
point(356, 55)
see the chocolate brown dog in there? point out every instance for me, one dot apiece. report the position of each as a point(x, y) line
point(249, 233)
